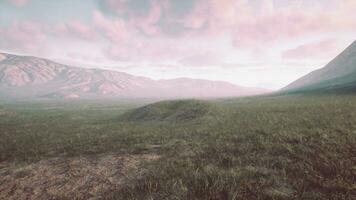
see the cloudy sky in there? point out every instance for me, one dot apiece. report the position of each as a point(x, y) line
point(264, 43)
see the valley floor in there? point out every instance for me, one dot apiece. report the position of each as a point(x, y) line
point(268, 147)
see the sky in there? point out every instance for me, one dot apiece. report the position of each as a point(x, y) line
point(255, 43)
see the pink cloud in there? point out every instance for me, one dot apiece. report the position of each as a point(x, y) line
point(215, 13)
point(224, 13)
point(323, 49)
point(157, 32)
point(155, 12)
point(120, 53)
point(164, 51)
point(81, 30)
point(19, 3)
point(141, 50)
point(202, 59)
point(283, 24)
point(204, 16)
point(115, 30)
point(278, 26)
point(73, 30)
point(144, 20)
point(25, 37)
point(198, 17)
point(148, 23)
point(60, 29)
point(119, 6)
point(35, 38)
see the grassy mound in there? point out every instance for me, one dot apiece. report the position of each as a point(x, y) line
point(172, 111)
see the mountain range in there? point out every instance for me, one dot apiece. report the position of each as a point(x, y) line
point(337, 75)
point(28, 77)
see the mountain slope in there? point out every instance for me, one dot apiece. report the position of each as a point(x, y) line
point(340, 73)
point(32, 77)
point(23, 77)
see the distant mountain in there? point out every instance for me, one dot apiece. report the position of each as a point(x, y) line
point(32, 78)
point(339, 74)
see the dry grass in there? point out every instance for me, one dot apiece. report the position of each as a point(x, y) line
point(88, 177)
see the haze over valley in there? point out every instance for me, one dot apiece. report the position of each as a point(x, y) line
point(36, 78)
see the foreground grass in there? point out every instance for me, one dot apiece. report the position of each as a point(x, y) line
point(286, 147)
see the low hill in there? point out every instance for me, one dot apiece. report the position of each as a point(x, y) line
point(339, 74)
point(172, 111)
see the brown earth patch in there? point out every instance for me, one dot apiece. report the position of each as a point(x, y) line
point(68, 178)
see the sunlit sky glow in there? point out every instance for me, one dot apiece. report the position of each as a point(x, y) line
point(263, 43)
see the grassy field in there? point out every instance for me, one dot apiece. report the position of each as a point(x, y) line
point(268, 147)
